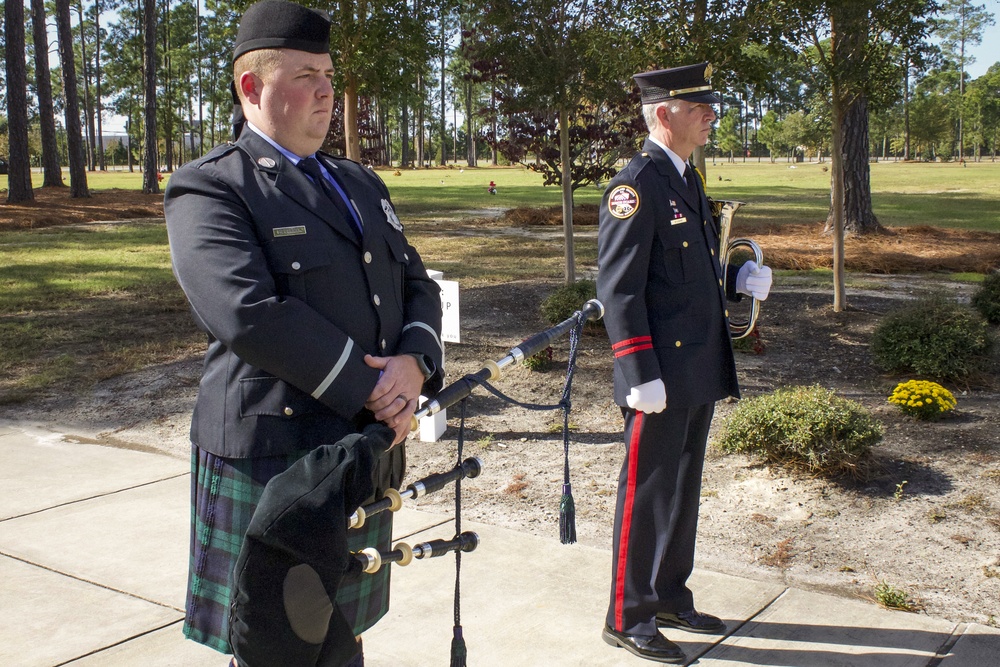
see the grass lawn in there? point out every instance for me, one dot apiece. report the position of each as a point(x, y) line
point(82, 303)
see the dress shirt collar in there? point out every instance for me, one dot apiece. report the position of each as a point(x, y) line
point(678, 161)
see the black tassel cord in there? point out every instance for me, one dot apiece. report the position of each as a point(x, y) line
point(567, 509)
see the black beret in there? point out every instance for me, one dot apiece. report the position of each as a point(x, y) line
point(691, 83)
point(280, 24)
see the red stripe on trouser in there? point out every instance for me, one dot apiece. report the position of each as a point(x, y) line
point(633, 458)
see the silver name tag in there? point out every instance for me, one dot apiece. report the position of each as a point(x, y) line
point(289, 231)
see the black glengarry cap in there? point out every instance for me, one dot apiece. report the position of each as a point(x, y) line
point(690, 82)
point(280, 24)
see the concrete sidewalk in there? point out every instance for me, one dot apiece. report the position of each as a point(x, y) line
point(93, 559)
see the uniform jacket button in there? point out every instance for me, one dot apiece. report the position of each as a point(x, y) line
point(296, 266)
point(289, 411)
point(368, 257)
point(383, 344)
point(377, 300)
point(406, 257)
point(677, 343)
point(685, 244)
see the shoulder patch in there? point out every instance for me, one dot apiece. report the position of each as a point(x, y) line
point(623, 202)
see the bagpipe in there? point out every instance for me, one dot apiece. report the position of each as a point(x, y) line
point(295, 557)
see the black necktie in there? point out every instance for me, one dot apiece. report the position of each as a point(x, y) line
point(690, 177)
point(310, 165)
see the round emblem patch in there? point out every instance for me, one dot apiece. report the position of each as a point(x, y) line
point(623, 202)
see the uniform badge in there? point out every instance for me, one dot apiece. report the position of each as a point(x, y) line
point(623, 202)
point(266, 162)
point(298, 230)
point(708, 71)
point(390, 216)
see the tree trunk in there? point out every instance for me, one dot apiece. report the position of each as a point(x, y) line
point(837, 204)
point(404, 144)
point(849, 37)
point(444, 127)
point(51, 170)
point(567, 193)
point(859, 218)
point(470, 140)
point(352, 142)
point(74, 132)
point(101, 163)
point(88, 109)
point(19, 164)
point(150, 169)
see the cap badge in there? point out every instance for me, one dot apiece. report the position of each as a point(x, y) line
point(623, 202)
point(708, 71)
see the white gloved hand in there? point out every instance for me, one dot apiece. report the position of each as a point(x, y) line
point(648, 397)
point(754, 280)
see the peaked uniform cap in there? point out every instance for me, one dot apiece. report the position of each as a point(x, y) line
point(280, 24)
point(690, 82)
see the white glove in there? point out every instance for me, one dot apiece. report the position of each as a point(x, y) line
point(648, 397)
point(754, 280)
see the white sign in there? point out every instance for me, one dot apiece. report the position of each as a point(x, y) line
point(450, 328)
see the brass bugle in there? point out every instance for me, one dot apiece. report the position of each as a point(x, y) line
point(592, 310)
point(371, 559)
point(723, 210)
point(393, 499)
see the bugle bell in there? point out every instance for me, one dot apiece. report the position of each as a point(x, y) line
point(723, 211)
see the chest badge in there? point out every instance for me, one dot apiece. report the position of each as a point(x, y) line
point(390, 216)
point(623, 202)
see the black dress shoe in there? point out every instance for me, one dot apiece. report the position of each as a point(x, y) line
point(692, 621)
point(657, 648)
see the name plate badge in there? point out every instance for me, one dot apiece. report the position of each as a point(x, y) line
point(289, 231)
point(677, 221)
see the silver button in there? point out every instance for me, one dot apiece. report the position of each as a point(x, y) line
point(406, 257)
point(377, 300)
point(296, 266)
point(289, 412)
point(368, 257)
point(383, 343)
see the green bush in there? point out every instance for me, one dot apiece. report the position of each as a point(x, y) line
point(987, 298)
point(933, 337)
point(568, 299)
point(806, 427)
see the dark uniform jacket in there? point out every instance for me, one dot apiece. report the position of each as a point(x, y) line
point(291, 298)
point(662, 286)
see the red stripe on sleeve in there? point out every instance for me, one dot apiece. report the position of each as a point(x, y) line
point(632, 341)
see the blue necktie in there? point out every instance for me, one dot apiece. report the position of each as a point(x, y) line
point(310, 165)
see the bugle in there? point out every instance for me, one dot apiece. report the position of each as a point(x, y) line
point(593, 310)
point(723, 210)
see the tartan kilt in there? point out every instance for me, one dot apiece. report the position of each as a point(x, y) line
point(224, 494)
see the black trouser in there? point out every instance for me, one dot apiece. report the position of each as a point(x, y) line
point(656, 519)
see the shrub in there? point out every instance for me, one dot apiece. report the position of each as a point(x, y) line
point(987, 298)
point(540, 361)
point(803, 426)
point(922, 399)
point(934, 337)
point(568, 299)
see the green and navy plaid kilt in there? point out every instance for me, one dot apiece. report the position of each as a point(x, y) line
point(224, 493)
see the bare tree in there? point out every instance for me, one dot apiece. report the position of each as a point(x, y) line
point(51, 170)
point(19, 165)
